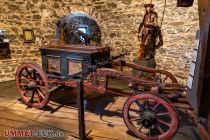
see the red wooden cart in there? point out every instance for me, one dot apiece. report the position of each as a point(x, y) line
point(150, 112)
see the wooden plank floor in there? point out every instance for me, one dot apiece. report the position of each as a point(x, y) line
point(103, 117)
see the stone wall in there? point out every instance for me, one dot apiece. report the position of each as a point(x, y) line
point(119, 21)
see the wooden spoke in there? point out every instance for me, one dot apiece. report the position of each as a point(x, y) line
point(32, 97)
point(163, 114)
point(156, 106)
point(134, 110)
point(150, 76)
point(165, 79)
point(139, 104)
point(140, 74)
point(40, 93)
point(43, 87)
point(38, 97)
point(23, 77)
point(28, 72)
point(160, 129)
point(165, 123)
point(23, 84)
point(24, 87)
point(144, 75)
point(27, 91)
point(135, 119)
point(146, 103)
point(39, 81)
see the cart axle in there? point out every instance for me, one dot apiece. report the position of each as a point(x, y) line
point(148, 119)
point(31, 84)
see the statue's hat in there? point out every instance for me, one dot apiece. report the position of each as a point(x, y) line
point(149, 5)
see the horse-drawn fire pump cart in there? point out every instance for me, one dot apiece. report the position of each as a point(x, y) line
point(150, 112)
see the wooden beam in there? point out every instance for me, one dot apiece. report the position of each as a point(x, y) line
point(203, 88)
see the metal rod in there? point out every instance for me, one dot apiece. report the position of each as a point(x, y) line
point(80, 105)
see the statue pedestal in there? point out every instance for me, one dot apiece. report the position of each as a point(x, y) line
point(150, 63)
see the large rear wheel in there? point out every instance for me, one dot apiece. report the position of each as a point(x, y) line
point(150, 117)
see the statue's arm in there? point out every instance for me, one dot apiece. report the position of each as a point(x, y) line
point(140, 29)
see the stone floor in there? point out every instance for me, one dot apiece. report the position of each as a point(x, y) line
point(103, 117)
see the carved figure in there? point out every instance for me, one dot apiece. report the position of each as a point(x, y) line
point(149, 33)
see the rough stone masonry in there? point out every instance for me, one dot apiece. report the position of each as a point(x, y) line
point(118, 19)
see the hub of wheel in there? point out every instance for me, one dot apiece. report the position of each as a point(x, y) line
point(31, 84)
point(148, 119)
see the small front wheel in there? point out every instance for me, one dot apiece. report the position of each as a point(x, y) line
point(32, 85)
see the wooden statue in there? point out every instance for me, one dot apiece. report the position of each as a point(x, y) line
point(149, 33)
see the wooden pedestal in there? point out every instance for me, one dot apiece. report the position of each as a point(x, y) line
point(150, 63)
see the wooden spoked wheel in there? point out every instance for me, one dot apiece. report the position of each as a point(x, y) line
point(150, 117)
point(32, 85)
